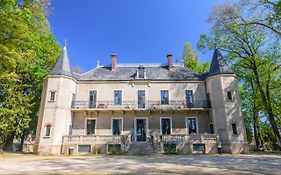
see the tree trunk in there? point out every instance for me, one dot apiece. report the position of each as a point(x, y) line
point(267, 105)
point(255, 119)
point(21, 142)
point(8, 143)
point(255, 125)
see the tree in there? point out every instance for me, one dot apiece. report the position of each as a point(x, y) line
point(265, 13)
point(247, 47)
point(192, 61)
point(28, 50)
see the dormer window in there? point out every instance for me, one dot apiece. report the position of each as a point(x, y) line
point(141, 72)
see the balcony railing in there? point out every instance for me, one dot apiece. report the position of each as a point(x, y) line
point(152, 105)
point(117, 139)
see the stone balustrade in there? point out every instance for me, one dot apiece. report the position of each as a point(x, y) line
point(91, 139)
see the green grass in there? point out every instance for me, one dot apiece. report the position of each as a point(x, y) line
point(268, 151)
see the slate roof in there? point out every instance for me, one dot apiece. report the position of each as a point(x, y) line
point(62, 66)
point(129, 73)
point(218, 64)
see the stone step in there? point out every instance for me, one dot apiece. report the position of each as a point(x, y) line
point(141, 148)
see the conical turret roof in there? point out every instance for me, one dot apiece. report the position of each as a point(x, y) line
point(218, 65)
point(62, 66)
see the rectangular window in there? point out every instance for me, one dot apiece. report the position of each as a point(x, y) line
point(93, 99)
point(117, 97)
point(191, 125)
point(189, 98)
point(48, 131)
point(116, 126)
point(164, 97)
point(84, 148)
point(199, 148)
point(166, 126)
point(52, 95)
point(90, 126)
point(234, 129)
point(141, 73)
point(212, 128)
point(229, 95)
point(141, 99)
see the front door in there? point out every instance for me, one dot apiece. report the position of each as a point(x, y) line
point(141, 129)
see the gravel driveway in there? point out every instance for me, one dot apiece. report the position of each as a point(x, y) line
point(159, 164)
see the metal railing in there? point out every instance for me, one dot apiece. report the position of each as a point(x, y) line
point(153, 105)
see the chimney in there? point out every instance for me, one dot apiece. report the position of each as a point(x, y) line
point(113, 61)
point(170, 61)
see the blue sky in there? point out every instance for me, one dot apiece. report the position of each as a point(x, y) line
point(139, 31)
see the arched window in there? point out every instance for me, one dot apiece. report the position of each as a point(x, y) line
point(48, 131)
point(234, 129)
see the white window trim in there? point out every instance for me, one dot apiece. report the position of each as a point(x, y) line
point(135, 126)
point(119, 118)
point(236, 123)
point(89, 93)
point(146, 98)
point(50, 92)
point(51, 128)
point(232, 95)
point(196, 120)
point(85, 126)
point(193, 94)
point(77, 148)
point(169, 97)
point(121, 96)
point(171, 124)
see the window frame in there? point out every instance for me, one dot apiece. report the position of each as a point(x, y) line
point(121, 101)
point(171, 125)
point(193, 97)
point(50, 95)
point(79, 152)
point(145, 98)
point(196, 120)
point(45, 130)
point(236, 129)
point(86, 129)
point(161, 96)
point(89, 93)
point(229, 95)
point(122, 125)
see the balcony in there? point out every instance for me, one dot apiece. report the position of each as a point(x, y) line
point(134, 105)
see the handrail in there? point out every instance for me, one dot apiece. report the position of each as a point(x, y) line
point(172, 104)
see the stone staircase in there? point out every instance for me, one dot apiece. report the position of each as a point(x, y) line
point(141, 148)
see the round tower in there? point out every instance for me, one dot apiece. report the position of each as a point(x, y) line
point(54, 120)
point(226, 115)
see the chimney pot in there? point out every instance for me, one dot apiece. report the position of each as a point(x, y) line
point(113, 61)
point(170, 61)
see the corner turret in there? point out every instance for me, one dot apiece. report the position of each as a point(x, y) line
point(62, 66)
point(218, 65)
point(225, 116)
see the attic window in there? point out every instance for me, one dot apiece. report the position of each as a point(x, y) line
point(141, 72)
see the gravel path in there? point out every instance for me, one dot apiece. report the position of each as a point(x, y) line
point(159, 164)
